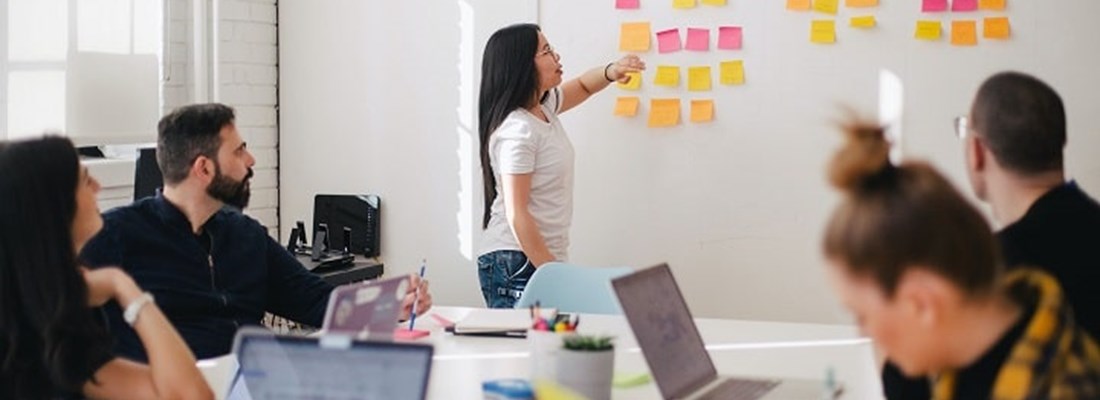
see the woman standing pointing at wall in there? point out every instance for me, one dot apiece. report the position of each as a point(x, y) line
point(526, 157)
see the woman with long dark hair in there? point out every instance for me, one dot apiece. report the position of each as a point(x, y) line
point(526, 157)
point(52, 337)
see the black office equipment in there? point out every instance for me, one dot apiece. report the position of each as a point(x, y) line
point(360, 213)
point(147, 177)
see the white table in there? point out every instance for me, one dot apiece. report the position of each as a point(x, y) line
point(741, 348)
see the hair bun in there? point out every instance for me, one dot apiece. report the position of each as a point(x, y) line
point(864, 155)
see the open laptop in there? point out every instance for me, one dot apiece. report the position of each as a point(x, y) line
point(327, 367)
point(367, 310)
point(674, 350)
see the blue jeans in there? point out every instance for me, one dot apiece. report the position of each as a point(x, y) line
point(503, 275)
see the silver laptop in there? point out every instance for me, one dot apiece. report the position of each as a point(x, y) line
point(367, 310)
point(327, 367)
point(674, 351)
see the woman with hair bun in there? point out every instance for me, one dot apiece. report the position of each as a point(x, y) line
point(918, 267)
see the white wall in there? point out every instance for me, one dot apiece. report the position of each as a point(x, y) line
point(369, 103)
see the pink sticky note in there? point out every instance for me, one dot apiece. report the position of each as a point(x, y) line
point(698, 39)
point(964, 5)
point(626, 4)
point(934, 5)
point(668, 40)
point(729, 37)
point(409, 334)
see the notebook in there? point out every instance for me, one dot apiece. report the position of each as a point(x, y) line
point(327, 367)
point(366, 310)
point(674, 350)
point(495, 322)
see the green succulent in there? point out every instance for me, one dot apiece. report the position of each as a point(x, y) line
point(588, 343)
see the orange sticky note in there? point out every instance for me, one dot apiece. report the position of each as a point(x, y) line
point(698, 79)
point(823, 31)
point(683, 3)
point(964, 33)
point(826, 6)
point(634, 83)
point(991, 4)
point(928, 30)
point(634, 36)
point(702, 110)
point(667, 75)
point(798, 5)
point(864, 22)
point(861, 3)
point(996, 28)
point(626, 106)
point(732, 72)
point(664, 112)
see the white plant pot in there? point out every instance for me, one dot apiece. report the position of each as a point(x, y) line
point(588, 373)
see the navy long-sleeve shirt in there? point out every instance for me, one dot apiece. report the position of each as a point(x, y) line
point(209, 284)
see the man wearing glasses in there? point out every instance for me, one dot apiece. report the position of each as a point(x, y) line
point(1014, 138)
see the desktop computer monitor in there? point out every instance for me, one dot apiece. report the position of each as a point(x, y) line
point(147, 178)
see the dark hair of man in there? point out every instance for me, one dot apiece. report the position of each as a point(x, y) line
point(509, 81)
point(48, 336)
point(187, 133)
point(1022, 121)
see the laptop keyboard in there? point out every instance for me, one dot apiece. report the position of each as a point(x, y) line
point(739, 389)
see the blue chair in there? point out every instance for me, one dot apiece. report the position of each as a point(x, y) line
point(572, 288)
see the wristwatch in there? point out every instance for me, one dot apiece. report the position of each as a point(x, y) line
point(130, 315)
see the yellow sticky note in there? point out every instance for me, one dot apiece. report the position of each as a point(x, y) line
point(732, 72)
point(991, 4)
point(702, 110)
point(664, 112)
point(683, 3)
point(964, 33)
point(714, 2)
point(928, 30)
point(865, 22)
point(826, 6)
point(699, 79)
point(861, 3)
point(634, 83)
point(626, 106)
point(798, 5)
point(634, 36)
point(667, 75)
point(823, 31)
point(996, 28)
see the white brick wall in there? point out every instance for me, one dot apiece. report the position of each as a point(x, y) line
point(247, 80)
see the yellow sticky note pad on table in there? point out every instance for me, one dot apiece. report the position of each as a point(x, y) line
point(864, 22)
point(996, 28)
point(714, 2)
point(634, 36)
point(634, 83)
point(861, 3)
point(664, 112)
point(667, 75)
point(732, 72)
point(964, 33)
point(699, 79)
point(826, 6)
point(702, 110)
point(798, 5)
point(823, 31)
point(626, 106)
point(928, 30)
point(991, 4)
point(683, 3)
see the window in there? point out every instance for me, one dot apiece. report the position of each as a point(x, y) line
point(88, 68)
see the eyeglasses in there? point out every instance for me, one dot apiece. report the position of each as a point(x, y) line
point(962, 126)
point(545, 51)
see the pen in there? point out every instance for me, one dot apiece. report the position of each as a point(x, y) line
point(416, 295)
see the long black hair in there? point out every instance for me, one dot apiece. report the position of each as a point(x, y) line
point(49, 339)
point(509, 80)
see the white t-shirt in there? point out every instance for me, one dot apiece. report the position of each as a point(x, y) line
point(524, 144)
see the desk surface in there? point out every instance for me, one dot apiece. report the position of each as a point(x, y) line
point(740, 348)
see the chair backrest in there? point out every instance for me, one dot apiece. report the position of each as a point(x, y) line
point(572, 288)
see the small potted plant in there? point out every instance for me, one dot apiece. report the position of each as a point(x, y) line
point(586, 365)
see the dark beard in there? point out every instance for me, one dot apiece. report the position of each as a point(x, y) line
point(229, 191)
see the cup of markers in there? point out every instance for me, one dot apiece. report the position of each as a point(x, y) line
point(545, 340)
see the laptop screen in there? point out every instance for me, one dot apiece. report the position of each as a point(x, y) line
point(662, 323)
point(287, 367)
